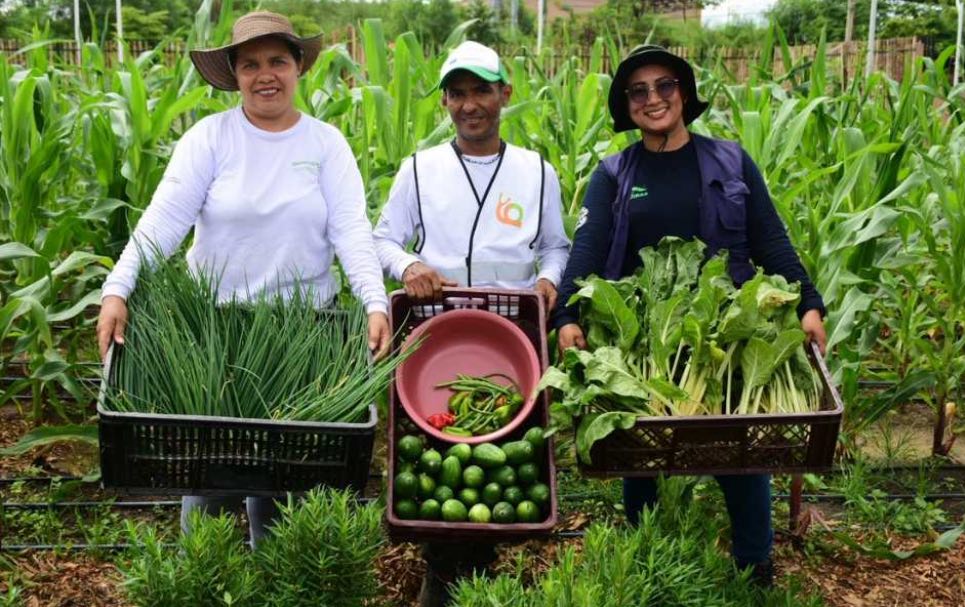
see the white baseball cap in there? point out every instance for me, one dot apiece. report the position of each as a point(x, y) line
point(476, 58)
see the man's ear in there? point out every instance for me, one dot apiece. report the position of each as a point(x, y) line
point(506, 93)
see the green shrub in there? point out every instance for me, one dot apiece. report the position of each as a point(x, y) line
point(210, 566)
point(670, 559)
point(322, 552)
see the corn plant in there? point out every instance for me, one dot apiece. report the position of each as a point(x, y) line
point(865, 171)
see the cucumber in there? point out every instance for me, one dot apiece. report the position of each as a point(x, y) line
point(450, 474)
point(462, 451)
point(519, 452)
point(488, 455)
point(534, 436)
point(504, 475)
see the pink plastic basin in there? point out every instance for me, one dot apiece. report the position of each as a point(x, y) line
point(472, 342)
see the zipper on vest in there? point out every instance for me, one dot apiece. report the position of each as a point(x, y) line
point(479, 201)
point(472, 235)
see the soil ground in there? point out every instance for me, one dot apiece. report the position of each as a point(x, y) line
point(844, 578)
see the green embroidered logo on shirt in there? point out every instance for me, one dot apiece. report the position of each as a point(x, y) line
point(638, 191)
point(311, 165)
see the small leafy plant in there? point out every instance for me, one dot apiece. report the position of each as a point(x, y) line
point(321, 552)
point(669, 559)
point(210, 567)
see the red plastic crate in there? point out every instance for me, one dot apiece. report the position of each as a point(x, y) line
point(523, 308)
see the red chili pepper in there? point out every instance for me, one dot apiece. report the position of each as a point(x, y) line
point(441, 420)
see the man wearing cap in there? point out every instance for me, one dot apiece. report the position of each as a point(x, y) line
point(676, 183)
point(477, 210)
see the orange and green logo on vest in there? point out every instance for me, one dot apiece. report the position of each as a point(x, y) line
point(509, 212)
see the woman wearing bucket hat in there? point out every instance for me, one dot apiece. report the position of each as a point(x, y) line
point(676, 183)
point(272, 194)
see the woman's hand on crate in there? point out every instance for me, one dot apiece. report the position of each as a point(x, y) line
point(111, 322)
point(570, 336)
point(380, 337)
point(813, 326)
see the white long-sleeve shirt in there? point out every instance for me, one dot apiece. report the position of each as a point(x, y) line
point(400, 220)
point(268, 209)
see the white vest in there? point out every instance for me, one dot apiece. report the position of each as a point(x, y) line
point(488, 245)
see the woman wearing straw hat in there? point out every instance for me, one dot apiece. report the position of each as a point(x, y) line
point(272, 194)
point(676, 183)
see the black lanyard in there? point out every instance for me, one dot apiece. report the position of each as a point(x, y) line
point(479, 201)
point(492, 180)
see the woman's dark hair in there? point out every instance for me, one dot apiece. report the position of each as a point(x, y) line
point(293, 49)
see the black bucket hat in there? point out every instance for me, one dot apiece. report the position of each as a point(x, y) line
point(651, 54)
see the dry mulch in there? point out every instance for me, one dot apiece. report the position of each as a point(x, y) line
point(49, 580)
point(844, 580)
point(933, 581)
point(64, 459)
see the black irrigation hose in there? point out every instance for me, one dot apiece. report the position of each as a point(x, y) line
point(121, 505)
point(819, 497)
point(560, 535)
point(38, 479)
point(813, 497)
point(49, 479)
point(900, 497)
point(70, 547)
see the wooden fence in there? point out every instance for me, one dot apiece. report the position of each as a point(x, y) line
point(891, 55)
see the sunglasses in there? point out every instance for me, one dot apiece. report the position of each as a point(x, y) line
point(640, 93)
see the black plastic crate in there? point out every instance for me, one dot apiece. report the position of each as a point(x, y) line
point(725, 444)
point(204, 455)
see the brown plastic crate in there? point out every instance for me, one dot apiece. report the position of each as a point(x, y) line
point(725, 444)
point(523, 308)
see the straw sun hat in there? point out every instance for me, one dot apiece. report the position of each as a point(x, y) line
point(215, 64)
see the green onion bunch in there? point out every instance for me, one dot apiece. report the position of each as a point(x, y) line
point(270, 357)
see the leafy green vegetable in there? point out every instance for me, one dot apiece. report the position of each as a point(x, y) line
point(595, 426)
point(679, 338)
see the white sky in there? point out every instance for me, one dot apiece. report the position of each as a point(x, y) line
point(736, 10)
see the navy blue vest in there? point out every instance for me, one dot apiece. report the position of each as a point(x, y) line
point(722, 205)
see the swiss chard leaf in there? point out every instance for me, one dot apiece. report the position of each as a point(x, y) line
point(774, 293)
point(741, 317)
point(554, 378)
point(756, 365)
point(609, 370)
point(608, 308)
point(665, 325)
point(598, 426)
point(787, 342)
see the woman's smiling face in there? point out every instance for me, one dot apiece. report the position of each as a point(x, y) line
point(267, 74)
point(652, 112)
